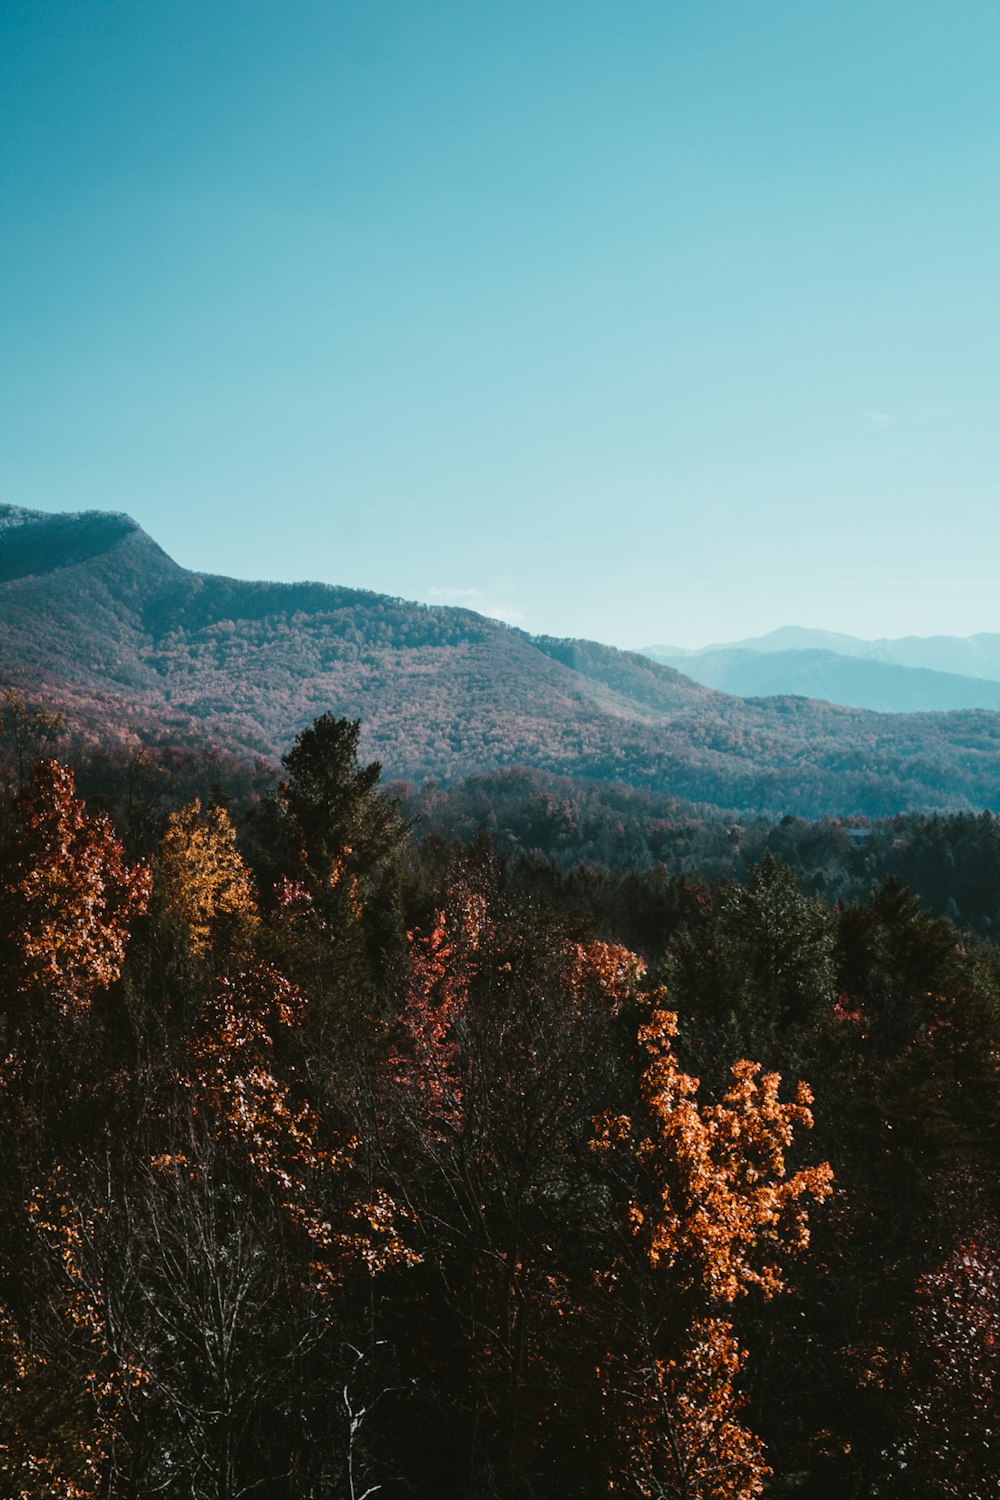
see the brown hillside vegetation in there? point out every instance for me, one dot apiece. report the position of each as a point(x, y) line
point(95, 618)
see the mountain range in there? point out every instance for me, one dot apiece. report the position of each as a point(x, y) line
point(914, 674)
point(97, 620)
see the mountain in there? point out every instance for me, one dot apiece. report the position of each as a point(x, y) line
point(964, 656)
point(785, 638)
point(97, 619)
point(857, 682)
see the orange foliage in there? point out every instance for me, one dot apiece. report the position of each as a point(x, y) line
point(723, 1207)
point(70, 897)
point(679, 1419)
point(616, 971)
point(713, 1212)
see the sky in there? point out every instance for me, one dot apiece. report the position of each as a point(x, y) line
point(657, 322)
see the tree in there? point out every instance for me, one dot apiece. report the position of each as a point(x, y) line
point(344, 825)
point(710, 1212)
point(501, 1050)
point(753, 970)
point(331, 840)
point(52, 1438)
point(276, 1132)
point(203, 883)
point(891, 954)
point(951, 1378)
point(179, 1284)
point(68, 897)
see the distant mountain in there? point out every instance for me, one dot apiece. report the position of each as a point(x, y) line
point(96, 618)
point(785, 638)
point(964, 656)
point(857, 682)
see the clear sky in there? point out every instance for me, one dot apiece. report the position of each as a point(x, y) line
point(652, 322)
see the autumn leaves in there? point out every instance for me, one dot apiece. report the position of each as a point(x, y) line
point(69, 898)
point(247, 1135)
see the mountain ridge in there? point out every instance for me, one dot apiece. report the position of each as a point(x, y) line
point(976, 656)
point(109, 625)
point(854, 682)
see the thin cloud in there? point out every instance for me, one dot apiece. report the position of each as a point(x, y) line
point(454, 596)
point(476, 599)
point(878, 421)
point(507, 613)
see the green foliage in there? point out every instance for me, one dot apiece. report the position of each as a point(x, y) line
point(338, 813)
point(755, 963)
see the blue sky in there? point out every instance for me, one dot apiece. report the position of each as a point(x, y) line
point(642, 321)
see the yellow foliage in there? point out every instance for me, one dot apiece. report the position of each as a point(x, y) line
point(203, 880)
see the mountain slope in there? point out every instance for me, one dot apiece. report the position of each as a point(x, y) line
point(89, 602)
point(94, 616)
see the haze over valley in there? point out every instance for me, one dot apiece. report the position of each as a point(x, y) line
point(909, 675)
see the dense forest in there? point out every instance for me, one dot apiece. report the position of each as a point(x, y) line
point(352, 1149)
point(600, 833)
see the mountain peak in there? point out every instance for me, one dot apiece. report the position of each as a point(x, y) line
point(37, 542)
point(20, 516)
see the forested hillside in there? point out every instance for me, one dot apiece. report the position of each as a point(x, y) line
point(343, 1161)
point(950, 861)
point(97, 620)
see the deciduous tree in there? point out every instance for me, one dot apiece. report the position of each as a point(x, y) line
point(710, 1211)
point(203, 882)
point(68, 897)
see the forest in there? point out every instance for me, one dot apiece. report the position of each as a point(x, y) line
point(360, 1144)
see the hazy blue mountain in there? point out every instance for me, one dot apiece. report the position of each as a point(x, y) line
point(964, 656)
point(857, 682)
point(973, 656)
point(95, 618)
point(785, 638)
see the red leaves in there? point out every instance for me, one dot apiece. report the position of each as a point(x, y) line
point(425, 1063)
point(235, 1085)
point(464, 942)
point(949, 1377)
point(70, 897)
